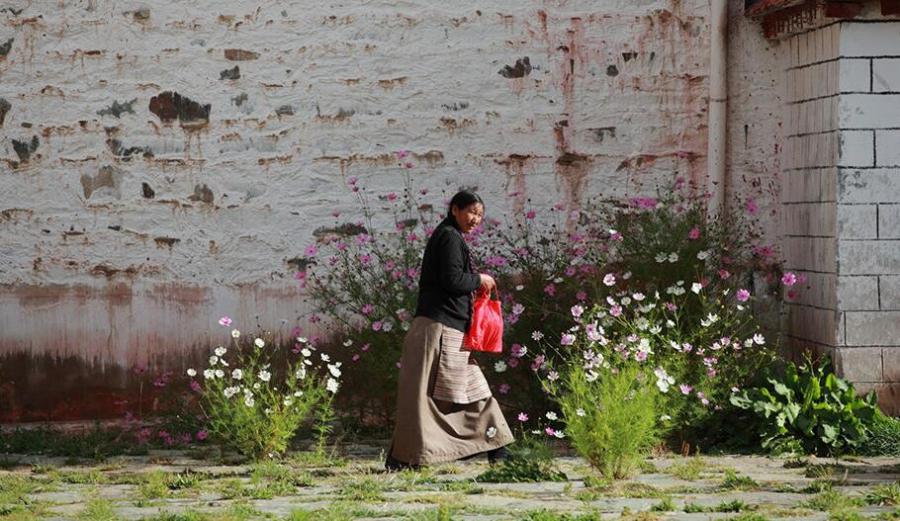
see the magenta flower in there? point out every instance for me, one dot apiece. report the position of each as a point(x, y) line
point(538, 362)
point(392, 197)
point(310, 251)
point(225, 321)
point(408, 165)
point(751, 206)
point(376, 326)
point(550, 431)
point(685, 389)
point(352, 181)
point(365, 259)
point(523, 417)
point(567, 339)
point(530, 214)
point(644, 203)
point(365, 347)
point(195, 386)
point(355, 357)
point(503, 388)
point(789, 278)
point(581, 296)
point(724, 274)
point(743, 295)
point(694, 234)
point(401, 154)
point(367, 309)
point(550, 289)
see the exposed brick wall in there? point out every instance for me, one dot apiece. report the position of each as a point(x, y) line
point(162, 163)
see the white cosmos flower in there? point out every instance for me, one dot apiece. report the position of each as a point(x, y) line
point(325, 358)
point(235, 333)
point(665, 417)
point(230, 391)
point(256, 386)
point(223, 362)
point(302, 339)
point(673, 257)
point(332, 385)
point(237, 374)
point(500, 366)
point(553, 376)
point(298, 394)
point(491, 432)
point(265, 376)
point(536, 335)
point(209, 374)
point(559, 434)
point(709, 320)
point(702, 255)
point(590, 376)
point(306, 352)
point(348, 342)
point(301, 373)
point(660, 257)
point(213, 360)
point(552, 416)
point(758, 339)
point(387, 326)
point(220, 373)
point(333, 369)
point(220, 351)
point(288, 401)
point(638, 297)
point(520, 287)
point(259, 342)
point(696, 287)
point(192, 372)
point(579, 412)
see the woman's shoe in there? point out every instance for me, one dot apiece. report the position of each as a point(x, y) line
point(392, 464)
point(497, 455)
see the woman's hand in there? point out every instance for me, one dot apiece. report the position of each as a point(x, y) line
point(487, 283)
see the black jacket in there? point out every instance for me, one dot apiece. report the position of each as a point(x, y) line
point(447, 279)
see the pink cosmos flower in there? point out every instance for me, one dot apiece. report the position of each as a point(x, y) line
point(376, 326)
point(609, 279)
point(791, 294)
point(570, 271)
point(789, 278)
point(503, 388)
point(365, 259)
point(392, 197)
point(751, 206)
point(523, 417)
point(225, 321)
point(355, 357)
point(685, 389)
point(195, 386)
point(530, 214)
point(581, 296)
point(517, 351)
point(310, 251)
point(671, 307)
point(550, 289)
point(640, 356)
point(364, 348)
point(538, 362)
point(408, 165)
point(644, 203)
point(367, 309)
point(401, 154)
point(550, 431)
point(694, 234)
point(615, 311)
point(743, 295)
point(567, 339)
point(724, 274)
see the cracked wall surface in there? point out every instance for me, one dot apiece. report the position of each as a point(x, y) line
point(161, 164)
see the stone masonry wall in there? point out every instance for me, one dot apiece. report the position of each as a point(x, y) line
point(868, 208)
point(162, 163)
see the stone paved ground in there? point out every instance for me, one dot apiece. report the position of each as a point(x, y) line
point(191, 485)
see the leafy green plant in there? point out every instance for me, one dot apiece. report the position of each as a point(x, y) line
point(530, 460)
point(809, 405)
point(256, 407)
point(884, 495)
point(611, 417)
point(883, 437)
point(735, 481)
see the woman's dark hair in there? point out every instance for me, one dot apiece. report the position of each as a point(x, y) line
point(463, 199)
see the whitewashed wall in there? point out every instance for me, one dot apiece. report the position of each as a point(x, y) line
point(127, 225)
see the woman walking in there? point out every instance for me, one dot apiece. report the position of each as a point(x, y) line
point(445, 410)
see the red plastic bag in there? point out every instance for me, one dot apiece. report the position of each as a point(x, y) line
point(486, 330)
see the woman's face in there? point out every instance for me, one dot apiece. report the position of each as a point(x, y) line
point(469, 217)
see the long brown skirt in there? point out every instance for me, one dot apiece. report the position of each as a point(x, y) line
point(430, 430)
